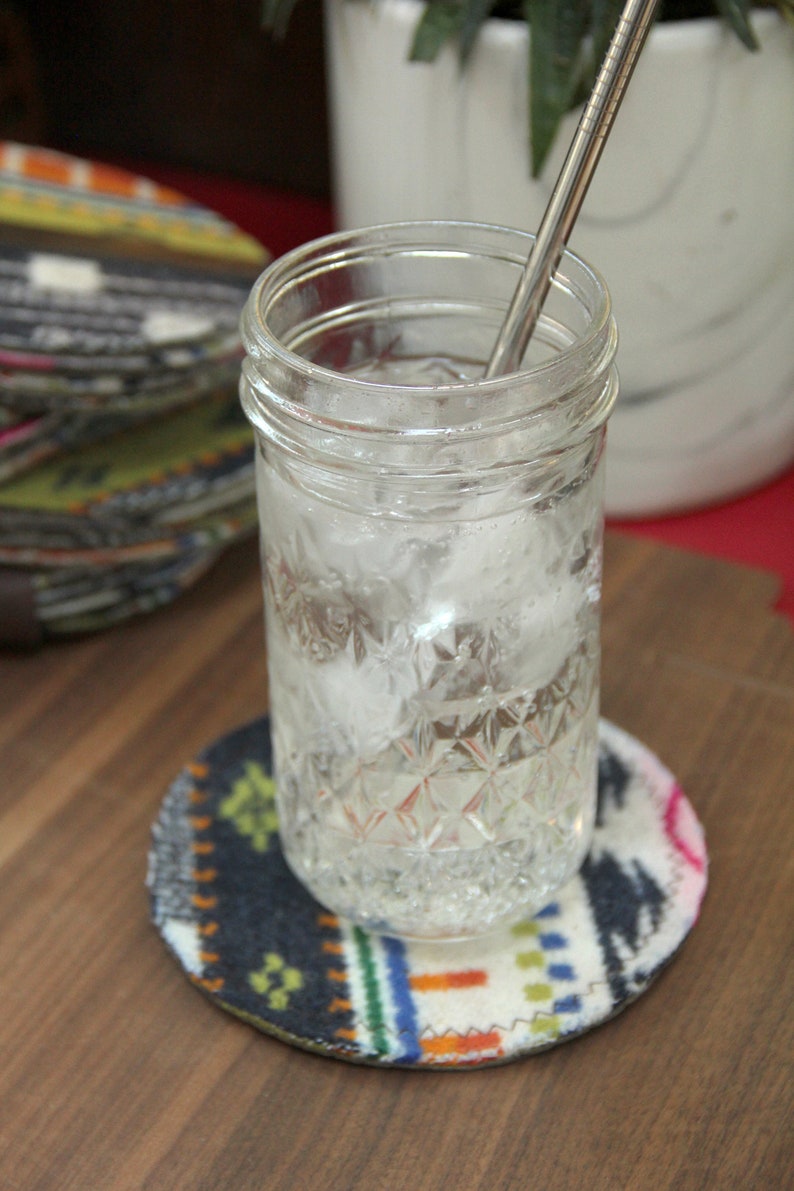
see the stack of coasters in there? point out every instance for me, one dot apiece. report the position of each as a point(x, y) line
point(125, 462)
point(250, 937)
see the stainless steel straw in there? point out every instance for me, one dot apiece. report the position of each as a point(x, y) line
point(571, 186)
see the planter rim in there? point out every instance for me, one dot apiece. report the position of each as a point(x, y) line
point(668, 36)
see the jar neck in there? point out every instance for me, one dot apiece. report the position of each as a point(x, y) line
point(324, 312)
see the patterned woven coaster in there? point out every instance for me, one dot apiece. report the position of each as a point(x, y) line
point(158, 480)
point(126, 462)
point(250, 937)
point(115, 293)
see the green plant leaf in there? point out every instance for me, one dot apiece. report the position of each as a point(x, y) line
point(556, 68)
point(440, 21)
point(475, 13)
point(737, 14)
point(446, 20)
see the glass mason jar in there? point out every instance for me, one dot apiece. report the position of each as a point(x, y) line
point(431, 555)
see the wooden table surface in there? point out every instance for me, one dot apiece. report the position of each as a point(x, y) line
point(117, 1073)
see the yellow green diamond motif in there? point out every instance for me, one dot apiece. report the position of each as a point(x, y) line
point(251, 806)
point(275, 980)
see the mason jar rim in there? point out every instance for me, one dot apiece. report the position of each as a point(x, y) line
point(474, 238)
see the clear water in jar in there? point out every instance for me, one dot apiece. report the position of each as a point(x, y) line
point(434, 687)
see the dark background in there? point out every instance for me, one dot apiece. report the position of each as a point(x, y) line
point(190, 83)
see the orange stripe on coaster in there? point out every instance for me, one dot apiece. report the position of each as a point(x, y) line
point(211, 985)
point(204, 903)
point(200, 822)
point(462, 1044)
point(197, 768)
point(348, 1035)
point(203, 848)
point(168, 197)
point(441, 981)
point(340, 1005)
point(208, 929)
point(335, 974)
point(47, 169)
point(198, 796)
point(332, 948)
point(204, 874)
point(107, 180)
point(329, 920)
point(209, 957)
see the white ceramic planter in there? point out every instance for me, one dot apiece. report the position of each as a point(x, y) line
point(690, 218)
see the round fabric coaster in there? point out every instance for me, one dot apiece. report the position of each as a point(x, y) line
point(250, 937)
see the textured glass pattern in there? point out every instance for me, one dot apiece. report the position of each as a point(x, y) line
point(434, 722)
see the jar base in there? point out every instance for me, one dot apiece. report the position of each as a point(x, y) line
point(442, 897)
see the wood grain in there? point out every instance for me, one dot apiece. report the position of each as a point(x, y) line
point(118, 1074)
